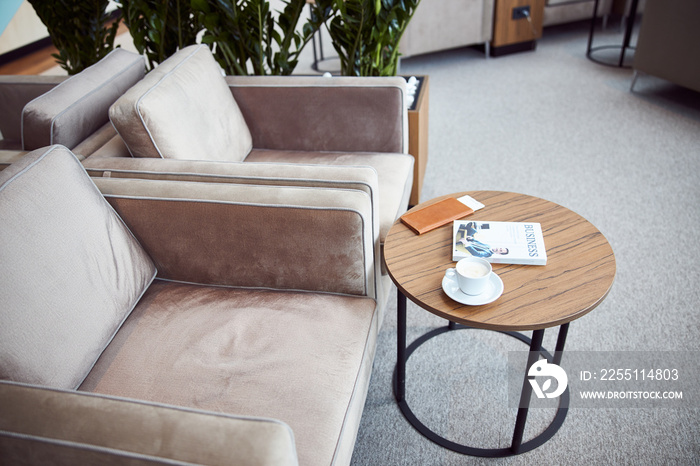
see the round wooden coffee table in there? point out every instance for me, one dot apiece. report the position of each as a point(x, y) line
point(579, 274)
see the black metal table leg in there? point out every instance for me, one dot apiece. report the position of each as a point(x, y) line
point(526, 393)
point(590, 33)
point(517, 447)
point(317, 59)
point(400, 384)
point(561, 341)
point(628, 31)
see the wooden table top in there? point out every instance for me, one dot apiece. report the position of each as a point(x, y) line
point(579, 273)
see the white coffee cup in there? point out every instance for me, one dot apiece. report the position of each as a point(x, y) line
point(473, 275)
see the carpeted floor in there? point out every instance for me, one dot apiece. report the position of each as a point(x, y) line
point(553, 124)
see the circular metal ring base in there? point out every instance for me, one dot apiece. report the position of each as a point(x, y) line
point(614, 62)
point(539, 440)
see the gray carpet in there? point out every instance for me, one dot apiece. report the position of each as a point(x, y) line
point(553, 124)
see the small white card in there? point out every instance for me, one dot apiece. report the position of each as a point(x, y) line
point(471, 203)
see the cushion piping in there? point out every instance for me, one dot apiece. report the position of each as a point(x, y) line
point(25, 169)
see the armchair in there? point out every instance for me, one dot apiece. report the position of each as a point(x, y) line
point(234, 321)
point(222, 259)
point(185, 110)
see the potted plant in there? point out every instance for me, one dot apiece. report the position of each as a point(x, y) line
point(159, 28)
point(366, 33)
point(79, 29)
point(247, 38)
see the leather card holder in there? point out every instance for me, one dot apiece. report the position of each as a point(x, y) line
point(435, 215)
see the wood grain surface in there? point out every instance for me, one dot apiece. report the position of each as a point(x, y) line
point(579, 273)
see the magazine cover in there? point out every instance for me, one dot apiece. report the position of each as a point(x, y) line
point(499, 242)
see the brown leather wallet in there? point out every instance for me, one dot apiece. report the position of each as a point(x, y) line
point(435, 215)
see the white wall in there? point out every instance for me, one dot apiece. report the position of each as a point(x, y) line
point(24, 28)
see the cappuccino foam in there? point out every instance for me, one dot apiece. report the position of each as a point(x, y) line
point(472, 269)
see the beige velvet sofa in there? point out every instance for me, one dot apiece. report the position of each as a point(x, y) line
point(669, 43)
point(566, 11)
point(445, 24)
point(260, 205)
point(145, 321)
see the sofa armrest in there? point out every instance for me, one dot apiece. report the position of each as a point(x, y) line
point(73, 110)
point(277, 174)
point(48, 426)
point(283, 237)
point(15, 92)
point(354, 114)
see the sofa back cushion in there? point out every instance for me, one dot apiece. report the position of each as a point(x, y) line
point(70, 270)
point(77, 107)
point(183, 109)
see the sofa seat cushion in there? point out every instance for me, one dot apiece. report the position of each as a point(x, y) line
point(79, 106)
point(70, 270)
point(302, 358)
point(394, 174)
point(183, 109)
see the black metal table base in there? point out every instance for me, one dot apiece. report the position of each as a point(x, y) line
point(517, 446)
point(624, 48)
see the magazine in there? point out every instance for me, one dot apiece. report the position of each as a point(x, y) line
point(499, 242)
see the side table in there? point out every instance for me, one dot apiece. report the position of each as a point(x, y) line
point(629, 26)
point(579, 273)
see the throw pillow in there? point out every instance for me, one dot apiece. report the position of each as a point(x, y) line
point(70, 270)
point(183, 109)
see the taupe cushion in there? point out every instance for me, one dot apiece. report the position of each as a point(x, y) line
point(302, 358)
point(183, 109)
point(40, 426)
point(394, 174)
point(70, 270)
point(76, 108)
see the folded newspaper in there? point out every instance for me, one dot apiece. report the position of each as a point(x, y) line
point(499, 242)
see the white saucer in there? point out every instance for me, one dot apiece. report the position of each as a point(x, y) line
point(493, 290)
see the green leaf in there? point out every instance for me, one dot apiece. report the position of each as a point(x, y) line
point(80, 30)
